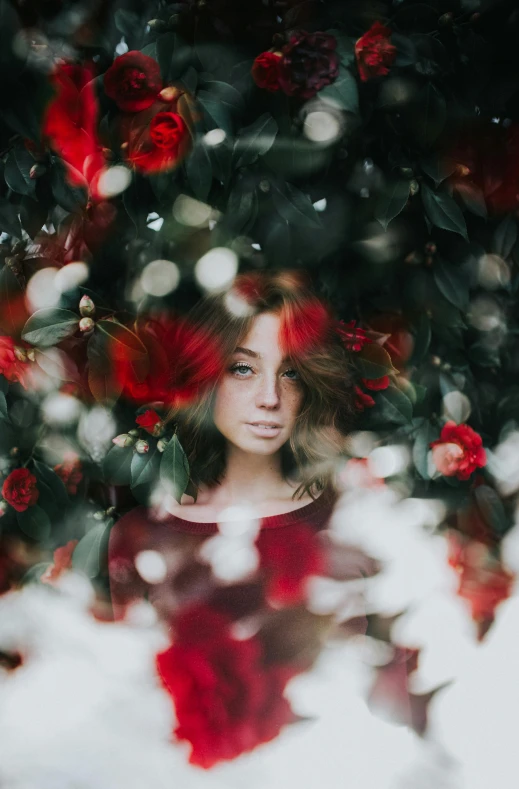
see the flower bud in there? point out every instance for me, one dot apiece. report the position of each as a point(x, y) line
point(86, 306)
point(110, 511)
point(170, 93)
point(3, 508)
point(36, 171)
point(133, 432)
point(142, 447)
point(123, 440)
point(86, 324)
point(414, 187)
point(430, 248)
point(31, 355)
point(161, 444)
point(99, 515)
point(20, 353)
point(158, 25)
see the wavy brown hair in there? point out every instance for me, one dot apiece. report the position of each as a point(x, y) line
point(308, 338)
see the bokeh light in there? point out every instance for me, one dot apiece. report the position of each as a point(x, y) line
point(214, 137)
point(191, 212)
point(41, 290)
point(160, 277)
point(216, 269)
point(114, 180)
point(151, 566)
point(322, 126)
point(71, 275)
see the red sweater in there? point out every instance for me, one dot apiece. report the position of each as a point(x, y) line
point(177, 540)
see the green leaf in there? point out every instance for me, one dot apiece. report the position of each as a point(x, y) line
point(145, 468)
point(443, 211)
point(422, 339)
point(438, 167)
point(432, 114)
point(199, 171)
point(421, 447)
point(505, 237)
point(343, 92)
point(472, 198)
point(50, 326)
point(9, 221)
point(71, 198)
point(392, 201)
point(491, 509)
point(119, 334)
point(17, 172)
point(221, 102)
point(117, 465)
point(35, 523)
point(3, 406)
point(241, 206)
point(255, 140)
point(452, 282)
point(101, 379)
point(10, 296)
point(87, 553)
point(373, 361)
point(345, 46)
point(295, 207)
point(278, 242)
point(128, 22)
point(395, 405)
point(174, 469)
point(53, 482)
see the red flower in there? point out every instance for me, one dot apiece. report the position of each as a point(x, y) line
point(70, 124)
point(459, 451)
point(13, 362)
point(363, 400)
point(304, 326)
point(70, 473)
point(288, 557)
point(483, 581)
point(182, 361)
point(19, 489)
point(353, 337)
point(157, 138)
point(62, 561)
point(227, 701)
point(150, 421)
point(376, 384)
point(265, 71)
point(133, 81)
point(374, 52)
point(308, 63)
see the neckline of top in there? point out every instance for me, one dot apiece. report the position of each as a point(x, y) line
point(268, 522)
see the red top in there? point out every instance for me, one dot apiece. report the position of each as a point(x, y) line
point(138, 531)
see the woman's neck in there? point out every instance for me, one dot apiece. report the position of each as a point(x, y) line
point(249, 478)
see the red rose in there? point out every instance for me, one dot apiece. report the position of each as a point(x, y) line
point(158, 138)
point(19, 489)
point(70, 473)
point(133, 81)
point(70, 124)
point(265, 70)
point(150, 421)
point(353, 337)
point(308, 63)
point(227, 701)
point(374, 52)
point(288, 557)
point(62, 561)
point(458, 451)
point(13, 362)
point(182, 361)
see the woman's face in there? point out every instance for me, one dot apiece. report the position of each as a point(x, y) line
point(259, 395)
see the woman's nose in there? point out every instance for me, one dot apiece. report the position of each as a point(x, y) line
point(268, 394)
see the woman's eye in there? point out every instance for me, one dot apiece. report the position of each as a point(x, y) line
point(293, 375)
point(241, 369)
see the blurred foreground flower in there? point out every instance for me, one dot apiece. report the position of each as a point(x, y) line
point(227, 700)
point(14, 362)
point(62, 561)
point(288, 557)
point(70, 472)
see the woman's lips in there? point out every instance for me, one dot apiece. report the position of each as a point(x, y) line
point(264, 429)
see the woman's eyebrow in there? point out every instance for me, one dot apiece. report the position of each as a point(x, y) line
point(248, 352)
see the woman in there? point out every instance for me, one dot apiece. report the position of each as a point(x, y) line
point(266, 435)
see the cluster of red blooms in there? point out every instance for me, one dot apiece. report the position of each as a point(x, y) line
point(154, 135)
point(308, 62)
point(354, 339)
